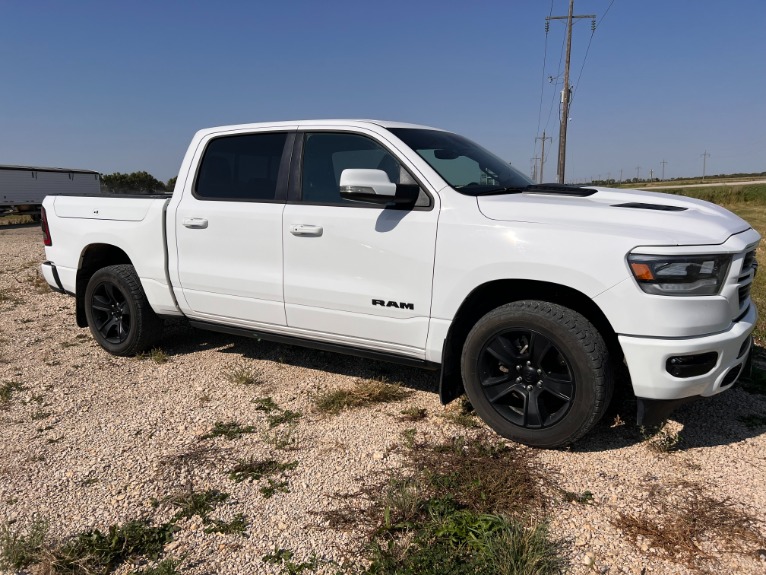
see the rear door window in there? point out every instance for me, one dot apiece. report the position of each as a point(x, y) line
point(242, 168)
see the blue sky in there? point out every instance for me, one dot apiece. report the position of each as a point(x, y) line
point(122, 86)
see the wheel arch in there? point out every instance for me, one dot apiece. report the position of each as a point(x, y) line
point(92, 258)
point(493, 294)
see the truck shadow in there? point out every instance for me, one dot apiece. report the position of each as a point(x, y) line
point(180, 339)
point(725, 419)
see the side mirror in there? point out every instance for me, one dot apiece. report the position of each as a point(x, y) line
point(374, 187)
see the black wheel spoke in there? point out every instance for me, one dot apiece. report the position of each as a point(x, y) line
point(501, 350)
point(497, 380)
point(539, 347)
point(500, 393)
point(108, 325)
point(561, 388)
point(101, 303)
point(533, 411)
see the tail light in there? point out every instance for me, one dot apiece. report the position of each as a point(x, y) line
point(44, 225)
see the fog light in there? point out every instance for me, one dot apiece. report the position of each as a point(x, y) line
point(691, 365)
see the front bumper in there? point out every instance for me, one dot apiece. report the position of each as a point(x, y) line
point(647, 358)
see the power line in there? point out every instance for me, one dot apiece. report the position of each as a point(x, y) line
point(542, 77)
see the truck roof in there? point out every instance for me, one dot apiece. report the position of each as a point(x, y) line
point(318, 123)
point(44, 169)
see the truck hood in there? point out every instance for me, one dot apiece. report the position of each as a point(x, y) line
point(650, 217)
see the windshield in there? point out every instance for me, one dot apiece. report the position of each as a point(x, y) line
point(466, 166)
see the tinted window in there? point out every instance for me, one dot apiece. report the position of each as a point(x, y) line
point(326, 155)
point(241, 167)
point(466, 166)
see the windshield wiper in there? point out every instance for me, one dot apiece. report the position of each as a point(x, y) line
point(553, 189)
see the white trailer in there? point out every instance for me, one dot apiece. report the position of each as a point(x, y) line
point(22, 188)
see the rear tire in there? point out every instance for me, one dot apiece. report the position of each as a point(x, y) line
point(118, 313)
point(537, 373)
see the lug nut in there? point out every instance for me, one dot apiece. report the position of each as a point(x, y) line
point(529, 388)
point(529, 363)
point(518, 380)
point(539, 372)
point(518, 368)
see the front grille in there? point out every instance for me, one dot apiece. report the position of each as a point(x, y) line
point(749, 262)
point(745, 281)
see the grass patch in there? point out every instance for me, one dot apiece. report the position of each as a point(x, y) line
point(364, 392)
point(192, 503)
point(230, 430)
point(97, 552)
point(237, 526)
point(156, 355)
point(20, 548)
point(256, 469)
point(461, 412)
point(286, 416)
point(573, 497)
point(414, 413)
point(284, 558)
point(681, 516)
point(661, 440)
point(7, 389)
point(467, 508)
point(245, 375)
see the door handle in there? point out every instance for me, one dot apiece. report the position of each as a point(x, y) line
point(305, 230)
point(195, 223)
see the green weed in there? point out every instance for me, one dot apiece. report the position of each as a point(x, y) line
point(20, 548)
point(156, 355)
point(245, 375)
point(230, 430)
point(284, 558)
point(254, 470)
point(98, 552)
point(237, 526)
point(414, 413)
point(201, 504)
point(7, 389)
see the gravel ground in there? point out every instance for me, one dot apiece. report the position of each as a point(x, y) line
point(92, 440)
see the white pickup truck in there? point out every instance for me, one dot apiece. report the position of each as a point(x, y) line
point(412, 244)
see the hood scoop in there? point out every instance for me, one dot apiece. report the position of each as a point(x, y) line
point(559, 190)
point(658, 207)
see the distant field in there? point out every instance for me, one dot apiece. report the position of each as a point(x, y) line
point(10, 219)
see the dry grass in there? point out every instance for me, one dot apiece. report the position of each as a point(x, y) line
point(681, 519)
point(364, 392)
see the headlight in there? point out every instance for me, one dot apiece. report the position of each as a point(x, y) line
point(680, 275)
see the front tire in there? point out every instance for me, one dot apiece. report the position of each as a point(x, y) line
point(537, 373)
point(118, 313)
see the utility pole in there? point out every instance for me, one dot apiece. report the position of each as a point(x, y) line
point(620, 175)
point(705, 156)
point(566, 92)
point(651, 174)
point(638, 172)
point(542, 153)
point(663, 162)
point(534, 167)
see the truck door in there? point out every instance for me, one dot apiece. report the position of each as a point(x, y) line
point(229, 230)
point(356, 274)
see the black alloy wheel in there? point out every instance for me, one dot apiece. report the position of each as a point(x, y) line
point(527, 379)
point(111, 312)
point(537, 373)
point(118, 313)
